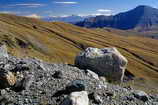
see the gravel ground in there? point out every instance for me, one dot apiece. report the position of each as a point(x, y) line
point(40, 83)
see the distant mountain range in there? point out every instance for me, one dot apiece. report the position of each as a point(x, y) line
point(141, 19)
point(68, 19)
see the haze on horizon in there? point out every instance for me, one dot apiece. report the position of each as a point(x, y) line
point(47, 8)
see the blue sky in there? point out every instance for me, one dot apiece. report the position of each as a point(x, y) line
point(44, 8)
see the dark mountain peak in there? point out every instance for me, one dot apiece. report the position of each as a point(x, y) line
point(141, 18)
point(144, 7)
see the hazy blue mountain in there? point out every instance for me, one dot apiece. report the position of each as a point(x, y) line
point(69, 19)
point(141, 18)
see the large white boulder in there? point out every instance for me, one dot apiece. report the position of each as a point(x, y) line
point(77, 98)
point(105, 62)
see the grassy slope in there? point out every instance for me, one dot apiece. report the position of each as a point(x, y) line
point(60, 42)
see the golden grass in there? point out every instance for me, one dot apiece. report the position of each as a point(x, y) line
point(60, 42)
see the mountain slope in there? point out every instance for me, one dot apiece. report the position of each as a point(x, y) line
point(142, 18)
point(60, 42)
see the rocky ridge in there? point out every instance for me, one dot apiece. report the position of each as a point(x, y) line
point(142, 19)
point(35, 82)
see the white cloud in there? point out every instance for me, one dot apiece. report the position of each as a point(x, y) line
point(104, 10)
point(66, 2)
point(95, 14)
point(21, 14)
point(105, 14)
point(34, 16)
point(11, 12)
point(6, 12)
point(26, 5)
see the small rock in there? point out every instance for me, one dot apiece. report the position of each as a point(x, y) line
point(129, 98)
point(41, 66)
point(58, 74)
point(128, 87)
point(24, 84)
point(3, 92)
point(102, 79)
point(76, 85)
point(96, 98)
point(8, 67)
point(110, 94)
point(92, 74)
point(20, 68)
point(102, 83)
point(7, 79)
point(77, 98)
point(3, 50)
point(141, 95)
